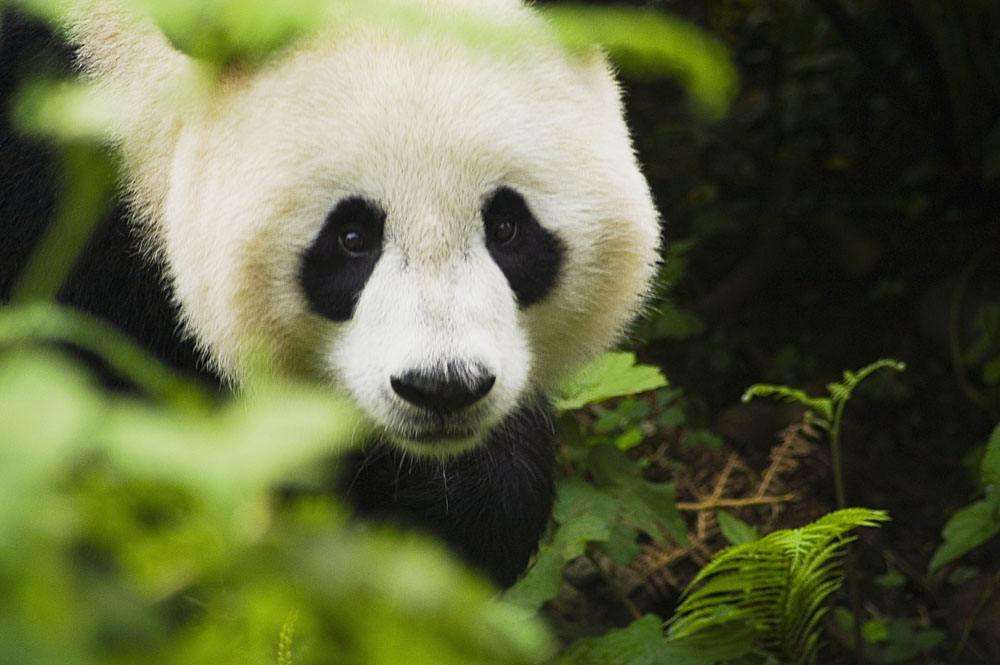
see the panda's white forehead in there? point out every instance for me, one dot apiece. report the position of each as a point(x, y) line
point(403, 121)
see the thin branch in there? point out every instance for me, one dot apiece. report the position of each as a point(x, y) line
point(713, 504)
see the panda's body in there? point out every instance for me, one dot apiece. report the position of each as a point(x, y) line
point(439, 230)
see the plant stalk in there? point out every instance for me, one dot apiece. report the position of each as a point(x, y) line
point(850, 571)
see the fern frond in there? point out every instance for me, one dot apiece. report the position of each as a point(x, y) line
point(821, 405)
point(770, 593)
point(842, 391)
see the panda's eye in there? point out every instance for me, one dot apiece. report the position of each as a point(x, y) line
point(503, 231)
point(529, 255)
point(338, 263)
point(354, 241)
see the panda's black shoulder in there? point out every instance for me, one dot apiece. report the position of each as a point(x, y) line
point(111, 279)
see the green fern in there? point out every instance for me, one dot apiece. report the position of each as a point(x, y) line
point(821, 406)
point(768, 595)
point(825, 408)
point(828, 412)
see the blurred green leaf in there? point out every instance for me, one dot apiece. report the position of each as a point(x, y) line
point(48, 323)
point(979, 522)
point(136, 531)
point(990, 469)
point(891, 580)
point(84, 203)
point(646, 42)
point(73, 112)
point(47, 407)
point(874, 631)
point(225, 32)
point(967, 529)
point(241, 449)
point(735, 530)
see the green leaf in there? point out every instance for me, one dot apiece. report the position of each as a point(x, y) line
point(652, 507)
point(667, 322)
point(541, 583)
point(611, 375)
point(962, 574)
point(571, 538)
point(232, 453)
point(576, 498)
point(891, 580)
point(967, 529)
point(629, 439)
point(990, 467)
point(44, 322)
point(622, 544)
point(222, 32)
point(701, 437)
point(544, 578)
point(647, 42)
point(47, 406)
point(641, 643)
point(648, 506)
point(735, 530)
point(874, 631)
point(584, 515)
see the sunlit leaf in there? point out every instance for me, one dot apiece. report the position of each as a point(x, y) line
point(611, 375)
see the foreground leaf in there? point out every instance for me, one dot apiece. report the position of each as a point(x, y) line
point(645, 42)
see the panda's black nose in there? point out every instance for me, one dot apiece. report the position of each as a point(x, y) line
point(445, 390)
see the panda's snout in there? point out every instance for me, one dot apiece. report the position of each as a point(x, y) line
point(444, 390)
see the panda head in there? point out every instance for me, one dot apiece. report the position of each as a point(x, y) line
point(438, 230)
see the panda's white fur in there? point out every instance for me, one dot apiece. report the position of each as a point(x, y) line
point(233, 186)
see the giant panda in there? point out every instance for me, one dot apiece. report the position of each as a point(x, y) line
point(437, 230)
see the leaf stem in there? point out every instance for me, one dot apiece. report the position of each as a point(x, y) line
point(836, 457)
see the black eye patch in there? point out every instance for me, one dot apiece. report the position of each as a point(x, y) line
point(529, 255)
point(340, 260)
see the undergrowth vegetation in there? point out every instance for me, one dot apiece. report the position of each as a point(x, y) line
point(157, 525)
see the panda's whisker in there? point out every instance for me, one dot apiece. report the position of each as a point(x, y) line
point(444, 482)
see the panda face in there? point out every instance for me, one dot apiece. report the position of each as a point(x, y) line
point(430, 342)
point(437, 231)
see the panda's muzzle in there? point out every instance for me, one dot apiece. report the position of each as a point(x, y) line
point(444, 390)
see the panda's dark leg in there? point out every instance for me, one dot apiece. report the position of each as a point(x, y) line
point(490, 505)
